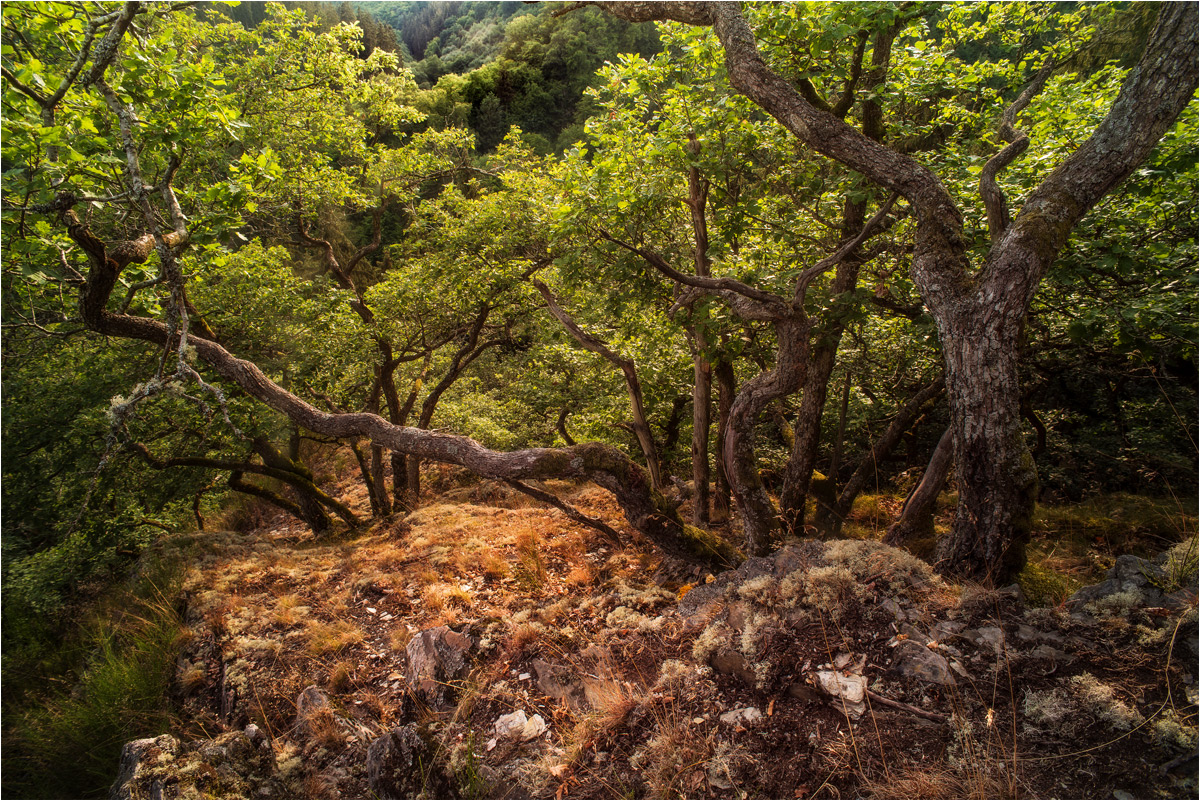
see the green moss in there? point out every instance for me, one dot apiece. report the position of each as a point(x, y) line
point(1043, 587)
point(709, 546)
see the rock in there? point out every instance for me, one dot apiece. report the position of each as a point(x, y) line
point(742, 717)
point(316, 719)
point(437, 658)
point(990, 637)
point(229, 766)
point(311, 705)
point(850, 690)
point(255, 734)
point(1132, 578)
point(734, 664)
point(915, 660)
point(398, 763)
point(517, 726)
point(894, 609)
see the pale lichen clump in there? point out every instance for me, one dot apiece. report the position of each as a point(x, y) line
point(1100, 700)
point(625, 618)
point(1169, 731)
point(674, 675)
point(1117, 605)
point(762, 590)
point(872, 560)
point(1045, 707)
point(716, 636)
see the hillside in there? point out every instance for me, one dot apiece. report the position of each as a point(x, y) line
point(490, 647)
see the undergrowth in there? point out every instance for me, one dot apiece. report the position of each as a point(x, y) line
point(64, 738)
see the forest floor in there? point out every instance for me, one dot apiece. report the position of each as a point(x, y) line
point(628, 686)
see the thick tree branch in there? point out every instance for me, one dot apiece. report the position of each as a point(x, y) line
point(762, 306)
point(1151, 98)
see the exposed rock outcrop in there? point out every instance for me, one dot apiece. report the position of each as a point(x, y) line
point(234, 765)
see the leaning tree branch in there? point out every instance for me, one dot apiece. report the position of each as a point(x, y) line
point(570, 511)
point(750, 303)
point(641, 426)
point(842, 253)
point(646, 510)
point(300, 482)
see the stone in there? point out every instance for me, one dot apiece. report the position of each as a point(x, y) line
point(850, 690)
point(1129, 575)
point(731, 663)
point(516, 725)
point(742, 717)
point(561, 684)
point(315, 715)
point(311, 705)
point(990, 637)
point(437, 659)
point(915, 660)
point(399, 763)
point(229, 766)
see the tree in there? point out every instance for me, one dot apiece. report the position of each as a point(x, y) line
point(152, 153)
point(979, 312)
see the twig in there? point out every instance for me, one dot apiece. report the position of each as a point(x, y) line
point(912, 710)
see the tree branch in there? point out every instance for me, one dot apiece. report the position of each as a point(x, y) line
point(570, 511)
point(993, 198)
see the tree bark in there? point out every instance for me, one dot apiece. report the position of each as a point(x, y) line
point(701, 405)
point(916, 518)
point(726, 391)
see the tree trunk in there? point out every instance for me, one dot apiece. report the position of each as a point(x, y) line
point(726, 391)
point(997, 478)
point(760, 521)
point(798, 472)
point(364, 469)
point(471, 350)
point(916, 518)
point(701, 405)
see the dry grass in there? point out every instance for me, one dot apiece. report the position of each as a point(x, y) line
point(530, 571)
point(341, 678)
point(328, 638)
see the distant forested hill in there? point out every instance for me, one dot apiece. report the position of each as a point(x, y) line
point(511, 63)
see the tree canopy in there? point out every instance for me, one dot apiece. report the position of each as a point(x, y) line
point(809, 238)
